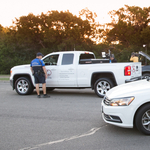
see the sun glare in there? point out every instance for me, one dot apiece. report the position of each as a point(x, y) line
point(16, 8)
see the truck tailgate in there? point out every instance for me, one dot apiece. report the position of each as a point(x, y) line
point(135, 69)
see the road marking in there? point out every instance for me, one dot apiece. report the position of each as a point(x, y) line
point(90, 132)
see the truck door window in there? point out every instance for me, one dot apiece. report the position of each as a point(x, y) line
point(51, 60)
point(67, 59)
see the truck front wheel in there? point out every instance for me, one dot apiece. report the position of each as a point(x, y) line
point(102, 85)
point(23, 86)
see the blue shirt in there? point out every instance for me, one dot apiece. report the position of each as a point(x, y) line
point(37, 64)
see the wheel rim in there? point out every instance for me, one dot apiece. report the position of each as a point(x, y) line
point(22, 86)
point(147, 77)
point(102, 87)
point(146, 120)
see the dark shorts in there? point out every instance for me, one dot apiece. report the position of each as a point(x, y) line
point(39, 78)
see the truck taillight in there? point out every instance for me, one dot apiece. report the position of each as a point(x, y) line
point(127, 71)
point(86, 52)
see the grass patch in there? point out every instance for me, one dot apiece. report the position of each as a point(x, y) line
point(4, 79)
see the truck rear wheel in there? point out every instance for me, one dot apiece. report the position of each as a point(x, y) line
point(102, 85)
point(23, 86)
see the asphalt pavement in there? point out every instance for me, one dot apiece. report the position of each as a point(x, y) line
point(68, 120)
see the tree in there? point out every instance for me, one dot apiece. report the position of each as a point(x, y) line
point(9, 55)
point(129, 25)
point(53, 30)
point(96, 33)
point(29, 34)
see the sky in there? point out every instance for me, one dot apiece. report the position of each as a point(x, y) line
point(11, 9)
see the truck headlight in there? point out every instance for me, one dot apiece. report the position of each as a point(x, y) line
point(125, 101)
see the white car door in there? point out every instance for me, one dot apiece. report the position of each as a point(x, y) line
point(67, 71)
point(52, 70)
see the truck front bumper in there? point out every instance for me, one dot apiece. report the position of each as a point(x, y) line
point(12, 84)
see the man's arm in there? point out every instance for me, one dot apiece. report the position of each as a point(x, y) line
point(31, 70)
point(44, 69)
point(131, 59)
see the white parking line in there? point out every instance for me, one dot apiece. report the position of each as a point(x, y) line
point(90, 132)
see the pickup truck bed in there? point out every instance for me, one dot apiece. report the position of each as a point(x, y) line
point(93, 61)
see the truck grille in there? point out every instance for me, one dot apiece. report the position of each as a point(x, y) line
point(106, 101)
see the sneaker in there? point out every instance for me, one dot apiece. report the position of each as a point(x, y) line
point(39, 96)
point(46, 96)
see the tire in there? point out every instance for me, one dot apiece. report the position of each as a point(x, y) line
point(146, 75)
point(50, 89)
point(23, 86)
point(142, 119)
point(102, 85)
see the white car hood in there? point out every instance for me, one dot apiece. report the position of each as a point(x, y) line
point(129, 89)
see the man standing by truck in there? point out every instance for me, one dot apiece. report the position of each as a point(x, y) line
point(134, 57)
point(112, 59)
point(38, 69)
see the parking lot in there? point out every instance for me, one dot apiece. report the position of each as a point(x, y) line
point(68, 120)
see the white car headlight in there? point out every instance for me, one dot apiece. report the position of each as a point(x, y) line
point(125, 101)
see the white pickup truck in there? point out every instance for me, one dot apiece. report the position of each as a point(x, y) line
point(75, 69)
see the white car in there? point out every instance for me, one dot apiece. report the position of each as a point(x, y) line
point(128, 105)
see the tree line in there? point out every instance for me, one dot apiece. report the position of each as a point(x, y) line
point(63, 31)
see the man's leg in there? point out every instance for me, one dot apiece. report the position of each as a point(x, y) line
point(37, 89)
point(44, 88)
point(44, 91)
point(37, 85)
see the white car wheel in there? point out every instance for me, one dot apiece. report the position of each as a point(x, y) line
point(142, 119)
